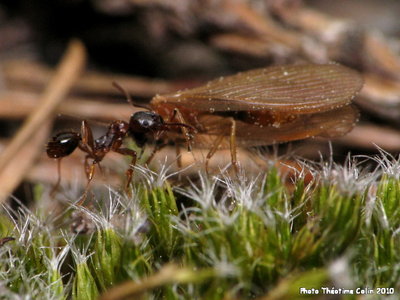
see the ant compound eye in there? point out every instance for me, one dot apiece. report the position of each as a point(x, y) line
point(63, 144)
point(145, 121)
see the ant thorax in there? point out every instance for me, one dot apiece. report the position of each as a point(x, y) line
point(116, 132)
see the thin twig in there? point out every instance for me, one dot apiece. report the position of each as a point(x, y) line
point(68, 71)
point(17, 105)
point(22, 160)
point(132, 290)
point(17, 73)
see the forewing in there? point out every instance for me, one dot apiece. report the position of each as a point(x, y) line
point(303, 88)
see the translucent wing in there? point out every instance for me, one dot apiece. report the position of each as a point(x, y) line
point(304, 88)
point(325, 124)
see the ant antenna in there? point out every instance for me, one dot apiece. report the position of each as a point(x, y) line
point(128, 96)
point(77, 118)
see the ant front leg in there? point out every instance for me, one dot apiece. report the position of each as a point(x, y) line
point(129, 171)
point(156, 148)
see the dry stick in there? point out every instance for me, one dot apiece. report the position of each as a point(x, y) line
point(369, 136)
point(243, 44)
point(68, 71)
point(18, 73)
point(18, 167)
point(131, 290)
point(377, 52)
point(263, 25)
point(17, 105)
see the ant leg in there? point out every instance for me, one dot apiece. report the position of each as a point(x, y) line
point(141, 153)
point(87, 166)
point(90, 173)
point(129, 171)
point(155, 150)
point(57, 185)
point(177, 114)
point(177, 148)
point(178, 155)
point(213, 149)
point(87, 143)
point(232, 144)
point(87, 146)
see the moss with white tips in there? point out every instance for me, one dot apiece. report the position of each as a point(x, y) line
point(215, 238)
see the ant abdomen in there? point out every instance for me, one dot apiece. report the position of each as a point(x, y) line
point(63, 144)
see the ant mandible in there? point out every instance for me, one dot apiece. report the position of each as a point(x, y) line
point(142, 126)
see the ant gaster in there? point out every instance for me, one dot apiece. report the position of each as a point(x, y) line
point(142, 126)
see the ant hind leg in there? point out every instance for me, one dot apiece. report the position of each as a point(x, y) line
point(58, 182)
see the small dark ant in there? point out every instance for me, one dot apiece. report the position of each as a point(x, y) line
point(142, 126)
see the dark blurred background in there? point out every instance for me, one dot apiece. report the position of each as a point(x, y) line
point(173, 38)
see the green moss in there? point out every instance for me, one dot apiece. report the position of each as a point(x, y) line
point(238, 238)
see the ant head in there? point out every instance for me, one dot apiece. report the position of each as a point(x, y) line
point(146, 121)
point(63, 144)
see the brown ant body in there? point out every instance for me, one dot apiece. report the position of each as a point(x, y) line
point(142, 126)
